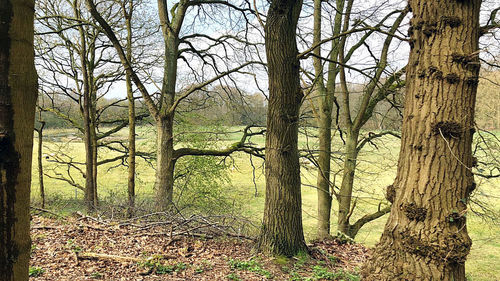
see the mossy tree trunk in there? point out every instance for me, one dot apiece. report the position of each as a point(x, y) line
point(281, 231)
point(18, 91)
point(425, 237)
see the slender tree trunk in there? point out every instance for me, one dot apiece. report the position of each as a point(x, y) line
point(128, 12)
point(18, 90)
point(327, 98)
point(323, 179)
point(425, 237)
point(89, 159)
point(281, 231)
point(93, 135)
point(88, 124)
point(40, 162)
point(325, 133)
point(345, 192)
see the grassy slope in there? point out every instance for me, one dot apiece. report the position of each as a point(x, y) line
point(377, 168)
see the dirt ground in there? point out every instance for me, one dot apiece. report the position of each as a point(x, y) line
point(80, 248)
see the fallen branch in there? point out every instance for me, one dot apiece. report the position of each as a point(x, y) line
point(97, 256)
point(46, 211)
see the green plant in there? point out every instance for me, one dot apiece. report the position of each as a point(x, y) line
point(233, 276)
point(342, 238)
point(333, 259)
point(322, 273)
point(180, 266)
point(70, 244)
point(251, 265)
point(302, 257)
point(205, 265)
point(155, 262)
point(294, 276)
point(164, 269)
point(36, 271)
point(96, 275)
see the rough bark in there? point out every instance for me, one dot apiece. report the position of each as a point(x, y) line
point(281, 231)
point(18, 88)
point(425, 237)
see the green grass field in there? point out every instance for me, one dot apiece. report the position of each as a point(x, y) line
point(376, 170)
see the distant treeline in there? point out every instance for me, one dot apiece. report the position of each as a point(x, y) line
point(232, 107)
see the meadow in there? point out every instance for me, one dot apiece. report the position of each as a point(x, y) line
point(246, 187)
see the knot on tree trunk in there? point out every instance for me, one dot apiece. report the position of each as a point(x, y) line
point(413, 212)
point(449, 129)
point(390, 193)
point(453, 248)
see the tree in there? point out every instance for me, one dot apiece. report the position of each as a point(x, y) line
point(18, 91)
point(425, 237)
point(127, 9)
point(79, 65)
point(39, 131)
point(281, 231)
point(163, 110)
point(349, 40)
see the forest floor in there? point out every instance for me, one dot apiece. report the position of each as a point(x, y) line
point(83, 248)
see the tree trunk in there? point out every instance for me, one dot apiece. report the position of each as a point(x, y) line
point(165, 164)
point(40, 162)
point(131, 113)
point(93, 135)
point(89, 167)
point(327, 98)
point(425, 237)
point(325, 133)
point(88, 126)
point(281, 231)
point(18, 90)
point(345, 193)
point(323, 179)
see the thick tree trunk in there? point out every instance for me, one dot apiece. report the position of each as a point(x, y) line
point(345, 193)
point(425, 237)
point(165, 164)
point(18, 90)
point(281, 231)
